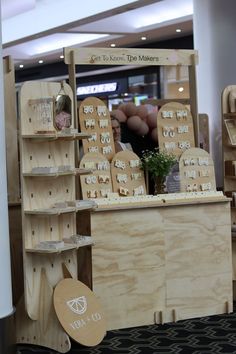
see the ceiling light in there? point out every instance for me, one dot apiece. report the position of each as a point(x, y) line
point(57, 41)
point(40, 61)
point(143, 38)
point(21, 66)
point(178, 30)
point(181, 89)
point(113, 45)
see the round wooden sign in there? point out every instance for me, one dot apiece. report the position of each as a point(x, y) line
point(79, 312)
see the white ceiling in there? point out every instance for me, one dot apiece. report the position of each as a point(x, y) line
point(40, 29)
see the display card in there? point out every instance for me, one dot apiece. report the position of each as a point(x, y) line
point(175, 128)
point(95, 120)
point(127, 176)
point(197, 173)
point(98, 184)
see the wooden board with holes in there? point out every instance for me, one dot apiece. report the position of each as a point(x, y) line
point(197, 173)
point(175, 128)
point(95, 120)
point(43, 148)
point(127, 176)
point(99, 183)
point(46, 330)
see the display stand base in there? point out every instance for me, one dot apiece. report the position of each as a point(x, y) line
point(8, 334)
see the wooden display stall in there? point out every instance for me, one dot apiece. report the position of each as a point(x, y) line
point(160, 260)
point(165, 258)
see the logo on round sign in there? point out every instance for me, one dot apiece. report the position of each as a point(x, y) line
point(78, 305)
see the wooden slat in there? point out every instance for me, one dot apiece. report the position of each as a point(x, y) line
point(13, 179)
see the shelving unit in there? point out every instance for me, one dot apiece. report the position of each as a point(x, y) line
point(228, 107)
point(228, 149)
point(49, 210)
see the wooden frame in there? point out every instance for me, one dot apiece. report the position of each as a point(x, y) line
point(127, 56)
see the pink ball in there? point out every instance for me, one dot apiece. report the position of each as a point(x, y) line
point(131, 109)
point(117, 113)
point(151, 108)
point(154, 135)
point(142, 111)
point(122, 107)
point(152, 120)
point(143, 130)
point(134, 123)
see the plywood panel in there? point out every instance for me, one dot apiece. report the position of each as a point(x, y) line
point(198, 260)
point(128, 266)
point(173, 261)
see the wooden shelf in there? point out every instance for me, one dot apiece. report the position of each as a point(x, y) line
point(58, 211)
point(55, 136)
point(67, 247)
point(52, 211)
point(229, 115)
point(230, 145)
point(78, 171)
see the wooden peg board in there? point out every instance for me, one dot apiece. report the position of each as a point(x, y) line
point(127, 177)
point(98, 184)
point(175, 128)
point(197, 173)
point(95, 120)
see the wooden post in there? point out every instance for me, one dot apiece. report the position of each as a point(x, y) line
point(193, 97)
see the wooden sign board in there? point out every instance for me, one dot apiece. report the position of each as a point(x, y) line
point(127, 177)
point(175, 128)
point(197, 173)
point(95, 120)
point(99, 183)
point(130, 56)
point(79, 312)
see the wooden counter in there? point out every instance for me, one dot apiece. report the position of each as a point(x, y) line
point(162, 263)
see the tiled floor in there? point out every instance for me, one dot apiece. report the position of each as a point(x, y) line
point(213, 334)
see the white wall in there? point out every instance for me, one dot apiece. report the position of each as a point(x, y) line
point(6, 307)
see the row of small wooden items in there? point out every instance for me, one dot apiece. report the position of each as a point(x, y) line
point(123, 175)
